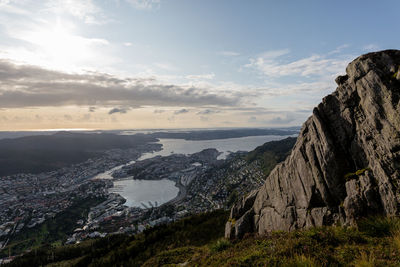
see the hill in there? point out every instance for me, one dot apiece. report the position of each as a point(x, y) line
point(197, 241)
point(36, 154)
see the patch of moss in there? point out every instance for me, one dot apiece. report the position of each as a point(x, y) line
point(395, 74)
point(353, 175)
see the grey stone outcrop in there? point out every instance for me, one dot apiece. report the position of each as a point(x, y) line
point(345, 163)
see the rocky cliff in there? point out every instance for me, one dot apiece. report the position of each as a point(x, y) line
point(345, 163)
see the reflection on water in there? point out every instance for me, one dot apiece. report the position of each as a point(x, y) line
point(107, 174)
point(180, 146)
point(145, 193)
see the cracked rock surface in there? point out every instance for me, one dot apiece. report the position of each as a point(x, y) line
point(346, 161)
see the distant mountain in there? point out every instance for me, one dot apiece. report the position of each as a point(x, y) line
point(345, 164)
point(35, 154)
point(224, 134)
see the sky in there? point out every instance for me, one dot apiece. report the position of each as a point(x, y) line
point(133, 64)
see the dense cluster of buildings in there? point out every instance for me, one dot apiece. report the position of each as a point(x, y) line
point(27, 200)
point(206, 186)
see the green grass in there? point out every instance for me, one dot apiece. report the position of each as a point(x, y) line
point(197, 241)
point(377, 226)
point(220, 245)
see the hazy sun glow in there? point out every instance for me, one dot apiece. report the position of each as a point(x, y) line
point(61, 48)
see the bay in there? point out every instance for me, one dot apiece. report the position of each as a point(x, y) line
point(145, 193)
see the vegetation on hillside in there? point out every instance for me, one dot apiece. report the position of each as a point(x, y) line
point(271, 153)
point(197, 241)
point(124, 250)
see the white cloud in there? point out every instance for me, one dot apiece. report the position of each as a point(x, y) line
point(128, 44)
point(271, 64)
point(208, 76)
point(54, 44)
point(339, 49)
point(144, 4)
point(269, 55)
point(165, 66)
point(85, 10)
point(229, 53)
point(9, 6)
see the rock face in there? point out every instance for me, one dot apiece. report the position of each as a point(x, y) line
point(345, 163)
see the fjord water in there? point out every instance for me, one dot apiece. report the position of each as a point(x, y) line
point(180, 146)
point(139, 191)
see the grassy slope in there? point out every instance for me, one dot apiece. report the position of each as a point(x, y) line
point(271, 153)
point(197, 241)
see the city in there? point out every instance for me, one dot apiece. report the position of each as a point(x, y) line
point(205, 183)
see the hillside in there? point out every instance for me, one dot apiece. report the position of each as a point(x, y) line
point(36, 154)
point(196, 241)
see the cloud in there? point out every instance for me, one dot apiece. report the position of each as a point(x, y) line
point(339, 49)
point(128, 44)
point(144, 4)
point(253, 119)
point(53, 43)
point(209, 76)
point(283, 119)
point(165, 66)
point(228, 53)
point(207, 112)
point(371, 47)
point(32, 86)
point(67, 117)
point(273, 65)
point(181, 111)
point(118, 110)
point(85, 10)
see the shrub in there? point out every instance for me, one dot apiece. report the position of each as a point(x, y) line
point(396, 239)
point(300, 261)
point(365, 260)
point(220, 245)
point(379, 226)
